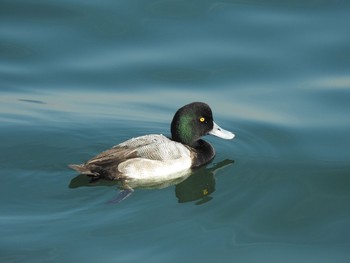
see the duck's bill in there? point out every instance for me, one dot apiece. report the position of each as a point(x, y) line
point(220, 132)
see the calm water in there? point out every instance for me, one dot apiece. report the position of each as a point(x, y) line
point(80, 76)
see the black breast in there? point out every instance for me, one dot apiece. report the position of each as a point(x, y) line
point(203, 153)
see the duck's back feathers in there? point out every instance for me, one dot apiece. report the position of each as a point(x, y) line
point(153, 147)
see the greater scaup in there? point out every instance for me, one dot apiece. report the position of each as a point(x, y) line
point(154, 158)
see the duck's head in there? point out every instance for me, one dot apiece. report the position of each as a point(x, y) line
point(193, 121)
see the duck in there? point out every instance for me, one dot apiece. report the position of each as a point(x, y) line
point(155, 158)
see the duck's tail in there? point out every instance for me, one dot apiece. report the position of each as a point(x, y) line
point(81, 168)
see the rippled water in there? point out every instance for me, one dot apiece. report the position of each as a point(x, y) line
point(80, 76)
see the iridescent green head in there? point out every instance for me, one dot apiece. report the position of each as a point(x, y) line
point(193, 121)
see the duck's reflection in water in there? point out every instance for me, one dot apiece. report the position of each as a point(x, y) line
point(201, 184)
point(196, 185)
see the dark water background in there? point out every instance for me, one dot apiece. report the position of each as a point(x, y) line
point(80, 76)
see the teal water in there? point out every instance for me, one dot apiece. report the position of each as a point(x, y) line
point(78, 77)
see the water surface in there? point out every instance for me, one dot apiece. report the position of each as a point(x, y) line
point(78, 77)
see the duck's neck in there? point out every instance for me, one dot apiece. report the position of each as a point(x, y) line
point(204, 153)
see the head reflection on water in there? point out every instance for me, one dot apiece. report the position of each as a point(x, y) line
point(200, 185)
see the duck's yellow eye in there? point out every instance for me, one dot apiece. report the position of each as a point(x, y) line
point(201, 119)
